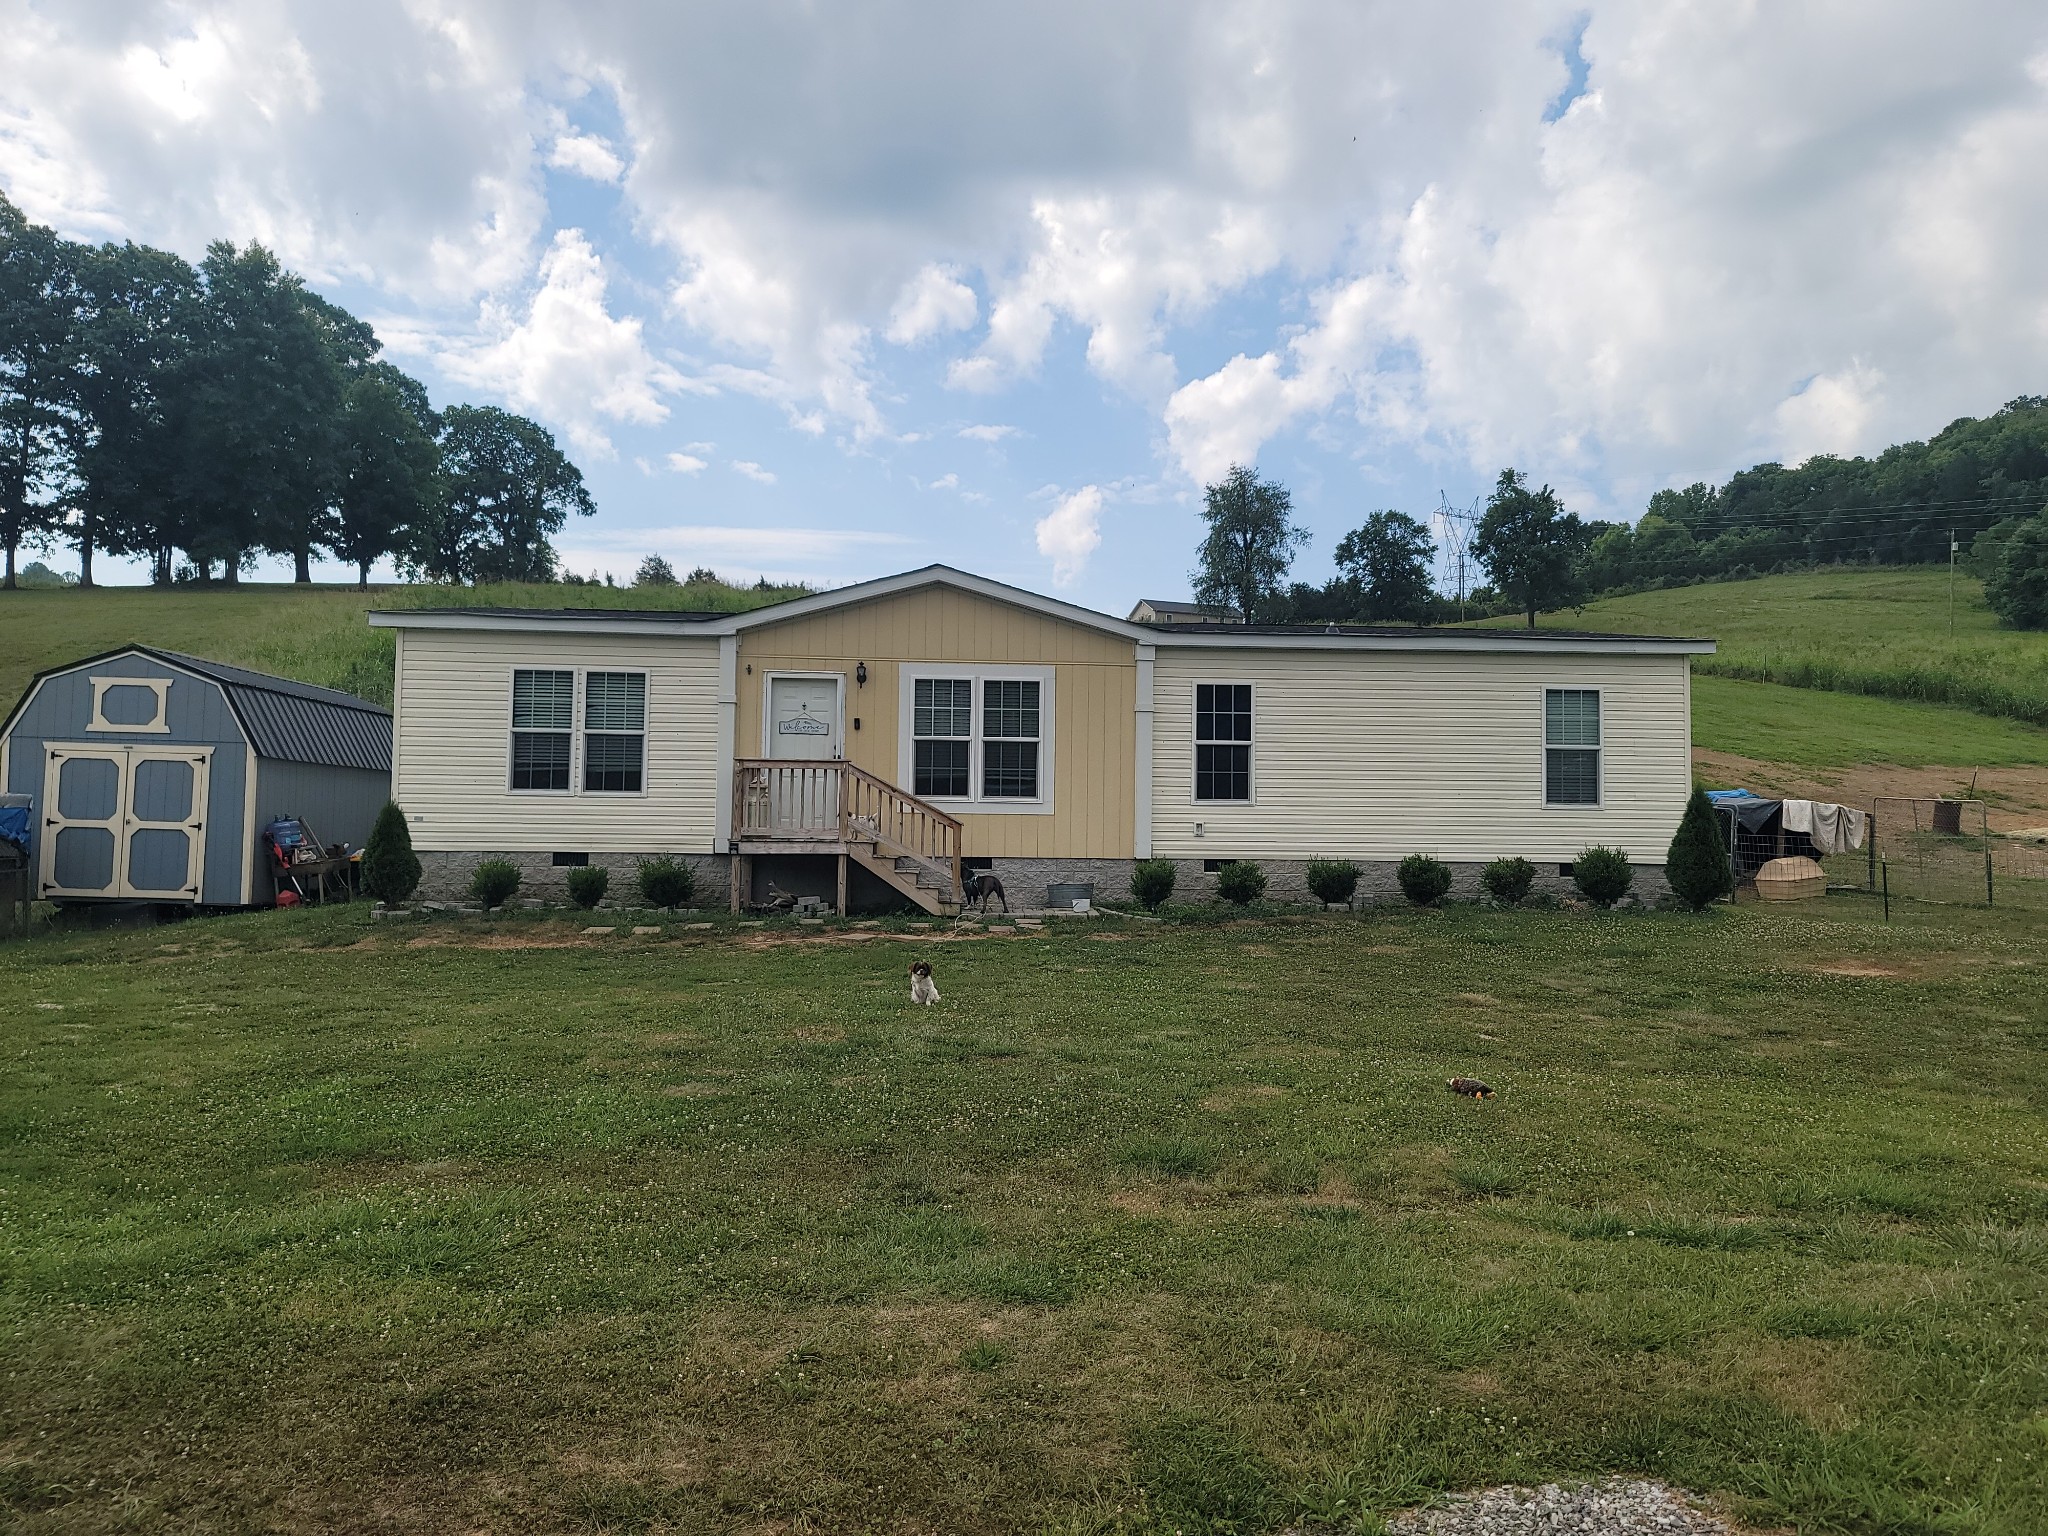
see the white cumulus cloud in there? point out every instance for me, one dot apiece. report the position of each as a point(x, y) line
point(1071, 532)
point(753, 471)
point(586, 155)
point(933, 302)
point(687, 463)
point(564, 355)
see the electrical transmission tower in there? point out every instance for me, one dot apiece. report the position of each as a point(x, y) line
point(1458, 524)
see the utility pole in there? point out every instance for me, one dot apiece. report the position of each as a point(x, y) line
point(1951, 586)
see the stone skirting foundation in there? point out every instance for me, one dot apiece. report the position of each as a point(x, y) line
point(445, 877)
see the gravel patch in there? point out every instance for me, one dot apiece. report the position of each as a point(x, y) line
point(1617, 1507)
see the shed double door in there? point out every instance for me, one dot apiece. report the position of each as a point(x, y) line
point(124, 822)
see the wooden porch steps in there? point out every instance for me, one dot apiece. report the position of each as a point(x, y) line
point(831, 806)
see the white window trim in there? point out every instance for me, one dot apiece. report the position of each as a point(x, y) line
point(160, 686)
point(838, 682)
point(577, 733)
point(1195, 741)
point(976, 804)
point(1543, 799)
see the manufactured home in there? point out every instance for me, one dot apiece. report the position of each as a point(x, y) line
point(877, 741)
point(152, 775)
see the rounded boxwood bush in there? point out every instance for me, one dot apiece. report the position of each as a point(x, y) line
point(588, 885)
point(1508, 881)
point(1697, 864)
point(1240, 882)
point(1424, 881)
point(493, 883)
point(391, 870)
point(1603, 875)
point(1152, 882)
point(1332, 880)
point(666, 882)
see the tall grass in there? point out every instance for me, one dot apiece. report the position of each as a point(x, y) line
point(1887, 631)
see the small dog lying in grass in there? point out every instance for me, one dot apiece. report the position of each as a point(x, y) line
point(922, 988)
point(1470, 1087)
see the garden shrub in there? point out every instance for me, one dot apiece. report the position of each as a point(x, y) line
point(1603, 875)
point(1240, 882)
point(666, 882)
point(1152, 882)
point(588, 885)
point(1697, 864)
point(1332, 880)
point(1508, 881)
point(1424, 881)
point(391, 870)
point(493, 883)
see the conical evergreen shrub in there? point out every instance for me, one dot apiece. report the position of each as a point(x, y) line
point(1697, 864)
point(391, 870)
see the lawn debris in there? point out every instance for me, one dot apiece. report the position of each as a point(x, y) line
point(1470, 1087)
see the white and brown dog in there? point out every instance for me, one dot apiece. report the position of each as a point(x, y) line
point(922, 988)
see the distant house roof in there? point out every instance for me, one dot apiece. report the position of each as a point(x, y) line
point(1159, 610)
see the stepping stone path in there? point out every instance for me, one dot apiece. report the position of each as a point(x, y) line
point(1030, 922)
point(999, 928)
point(642, 933)
point(600, 930)
point(700, 925)
point(812, 922)
point(917, 925)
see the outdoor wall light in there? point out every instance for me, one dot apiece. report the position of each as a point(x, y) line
point(860, 673)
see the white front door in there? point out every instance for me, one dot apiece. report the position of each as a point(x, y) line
point(803, 726)
point(124, 822)
point(803, 717)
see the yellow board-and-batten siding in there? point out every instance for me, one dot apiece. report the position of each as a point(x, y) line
point(452, 744)
point(1093, 767)
point(1376, 754)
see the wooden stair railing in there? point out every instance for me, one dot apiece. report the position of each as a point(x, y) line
point(790, 800)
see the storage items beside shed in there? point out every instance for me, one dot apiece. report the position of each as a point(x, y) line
point(152, 773)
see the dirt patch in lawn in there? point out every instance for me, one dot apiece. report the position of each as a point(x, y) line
point(496, 941)
point(2017, 798)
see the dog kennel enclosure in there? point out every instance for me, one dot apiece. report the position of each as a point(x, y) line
point(151, 774)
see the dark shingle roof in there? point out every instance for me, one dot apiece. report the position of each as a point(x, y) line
point(1414, 631)
point(296, 722)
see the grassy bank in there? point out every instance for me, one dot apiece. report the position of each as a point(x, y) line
point(313, 634)
point(1883, 632)
point(313, 1224)
point(1808, 728)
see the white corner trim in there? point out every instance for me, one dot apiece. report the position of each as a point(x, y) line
point(728, 735)
point(1142, 807)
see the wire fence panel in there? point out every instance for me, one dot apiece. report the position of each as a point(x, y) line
point(1945, 851)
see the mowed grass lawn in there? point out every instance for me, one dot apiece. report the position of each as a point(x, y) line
point(312, 1224)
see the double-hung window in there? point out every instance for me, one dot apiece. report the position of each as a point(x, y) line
point(1223, 741)
point(942, 737)
point(980, 738)
point(543, 728)
point(614, 732)
point(1009, 739)
point(1571, 746)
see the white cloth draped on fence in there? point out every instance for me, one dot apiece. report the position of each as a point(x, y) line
point(1830, 828)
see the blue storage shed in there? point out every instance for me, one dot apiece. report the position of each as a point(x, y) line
point(152, 774)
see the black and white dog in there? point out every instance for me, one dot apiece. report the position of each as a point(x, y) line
point(981, 885)
point(923, 990)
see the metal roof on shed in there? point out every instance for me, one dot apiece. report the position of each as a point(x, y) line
point(296, 722)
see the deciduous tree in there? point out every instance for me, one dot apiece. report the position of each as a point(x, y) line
point(1250, 543)
point(1388, 561)
point(390, 466)
point(506, 489)
point(39, 322)
point(1530, 547)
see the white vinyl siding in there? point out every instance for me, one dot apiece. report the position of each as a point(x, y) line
point(1376, 755)
point(454, 704)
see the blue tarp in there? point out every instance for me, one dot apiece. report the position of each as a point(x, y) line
point(14, 824)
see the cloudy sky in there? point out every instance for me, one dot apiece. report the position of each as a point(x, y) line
point(829, 291)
